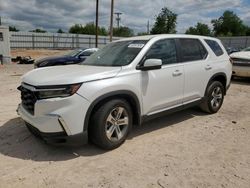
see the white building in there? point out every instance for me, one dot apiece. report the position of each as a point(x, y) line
point(4, 44)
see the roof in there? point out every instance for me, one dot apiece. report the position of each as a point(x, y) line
point(149, 37)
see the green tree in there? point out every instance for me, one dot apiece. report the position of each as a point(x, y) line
point(248, 31)
point(165, 22)
point(38, 31)
point(77, 29)
point(199, 29)
point(142, 33)
point(13, 28)
point(123, 32)
point(88, 29)
point(229, 24)
point(60, 31)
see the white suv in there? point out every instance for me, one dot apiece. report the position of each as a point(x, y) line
point(125, 83)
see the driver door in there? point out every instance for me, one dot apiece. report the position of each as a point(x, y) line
point(162, 89)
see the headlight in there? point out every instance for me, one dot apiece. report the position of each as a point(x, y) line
point(57, 91)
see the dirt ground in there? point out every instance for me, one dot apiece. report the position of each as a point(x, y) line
point(184, 149)
point(35, 54)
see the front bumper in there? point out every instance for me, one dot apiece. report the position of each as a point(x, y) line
point(58, 120)
point(242, 71)
point(59, 137)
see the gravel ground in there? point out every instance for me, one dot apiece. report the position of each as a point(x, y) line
point(184, 149)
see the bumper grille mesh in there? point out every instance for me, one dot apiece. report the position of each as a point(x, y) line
point(28, 100)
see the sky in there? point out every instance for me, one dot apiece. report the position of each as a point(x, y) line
point(54, 14)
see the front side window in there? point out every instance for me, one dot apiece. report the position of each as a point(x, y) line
point(164, 50)
point(74, 53)
point(215, 47)
point(116, 54)
point(192, 50)
point(86, 53)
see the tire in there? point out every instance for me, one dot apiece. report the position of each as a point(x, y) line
point(214, 98)
point(108, 128)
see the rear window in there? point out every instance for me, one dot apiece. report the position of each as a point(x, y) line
point(192, 50)
point(215, 47)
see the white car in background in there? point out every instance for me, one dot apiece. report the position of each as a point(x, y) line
point(241, 63)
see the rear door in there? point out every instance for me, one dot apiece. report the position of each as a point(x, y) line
point(197, 68)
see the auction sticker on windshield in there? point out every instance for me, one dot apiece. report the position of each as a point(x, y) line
point(136, 46)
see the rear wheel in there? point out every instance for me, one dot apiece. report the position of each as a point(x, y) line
point(213, 98)
point(110, 124)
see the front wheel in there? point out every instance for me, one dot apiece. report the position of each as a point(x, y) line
point(213, 98)
point(110, 124)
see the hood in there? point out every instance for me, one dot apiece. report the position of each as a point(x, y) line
point(241, 55)
point(70, 74)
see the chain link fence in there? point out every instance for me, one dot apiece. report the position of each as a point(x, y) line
point(236, 42)
point(31, 40)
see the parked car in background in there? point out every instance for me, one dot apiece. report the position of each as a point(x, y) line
point(231, 50)
point(127, 82)
point(241, 63)
point(246, 49)
point(74, 57)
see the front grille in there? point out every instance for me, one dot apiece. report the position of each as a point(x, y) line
point(241, 62)
point(28, 99)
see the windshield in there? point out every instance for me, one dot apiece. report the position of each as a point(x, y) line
point(116, 54)
point(73, 53)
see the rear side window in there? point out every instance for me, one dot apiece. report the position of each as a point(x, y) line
point(215, 47)
point(192, 50)
point(164, 50)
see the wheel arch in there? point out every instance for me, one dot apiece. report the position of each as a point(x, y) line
point(221, 77)
point(129, 96)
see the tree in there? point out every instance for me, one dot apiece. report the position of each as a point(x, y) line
point(60, 31)
point(123, 32)
point(229, 24)
point(13, 28)
point(199, 29)
point(88, 29)
point(165, 22)
point(38, 31)
point(248, 31)
point(142, 33)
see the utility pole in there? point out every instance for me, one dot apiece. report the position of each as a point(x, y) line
point(0, 20)
point(96, 23)
point(118, 18)
point(111, 21)
point(148, 27)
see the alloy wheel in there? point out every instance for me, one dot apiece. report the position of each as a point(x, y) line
point(217, 97)
point(117, 124)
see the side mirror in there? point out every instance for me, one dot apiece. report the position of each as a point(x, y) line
point(150, 64)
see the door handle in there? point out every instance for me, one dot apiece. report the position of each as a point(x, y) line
point(208, 67)
point(177, 73)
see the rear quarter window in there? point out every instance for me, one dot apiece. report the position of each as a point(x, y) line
point(192, 50)
point(215, 47)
